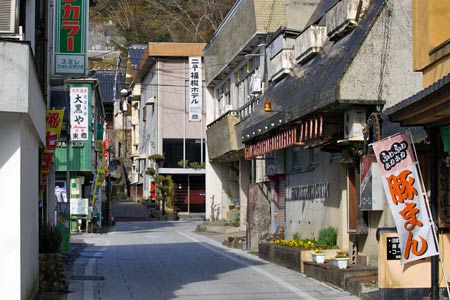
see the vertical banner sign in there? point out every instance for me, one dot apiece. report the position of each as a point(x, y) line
point(71, 27)
point(99, 178)
point(195, 89)
point(54, 121)
point(407, 200)
point(79, 112)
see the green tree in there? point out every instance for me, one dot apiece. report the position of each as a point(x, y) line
point(165, 188)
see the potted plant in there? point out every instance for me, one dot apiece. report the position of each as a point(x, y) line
point(318, 256)
point(340, 260)
point(231, 238)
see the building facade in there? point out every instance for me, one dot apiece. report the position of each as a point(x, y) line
point(430, 108)
point(163, 123)
point(309, 127)
point(304, 138)
point(23, 132)
point(236, 76)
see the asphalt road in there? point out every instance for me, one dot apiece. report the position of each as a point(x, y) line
point(167, 260)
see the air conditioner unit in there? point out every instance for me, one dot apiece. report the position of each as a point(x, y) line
point(8, 17)
point(354, 121)
point(255, 84)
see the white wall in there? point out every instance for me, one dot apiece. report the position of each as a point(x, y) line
point(10, 238)
point(19, 167)
point(29, 210)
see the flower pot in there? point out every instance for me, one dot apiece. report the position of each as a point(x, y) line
point(340, 263)
point(318, 258)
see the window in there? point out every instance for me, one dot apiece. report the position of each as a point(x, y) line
point(144, 113)
point(173, 151)
point(335, 155)
point(296, 158)
point(314, 156)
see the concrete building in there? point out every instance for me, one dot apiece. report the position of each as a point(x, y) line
point(350, 61)
point(236, 76)
point(163, 123)
point(23, 59)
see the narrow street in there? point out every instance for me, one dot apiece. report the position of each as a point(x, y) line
point(168, 260)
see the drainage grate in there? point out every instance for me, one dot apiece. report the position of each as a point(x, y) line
point(85, 277)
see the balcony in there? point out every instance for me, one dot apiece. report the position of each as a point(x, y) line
point(309, 43)
point(21, 89)
point(222, 139)
point(281, 64)
point(250, 18)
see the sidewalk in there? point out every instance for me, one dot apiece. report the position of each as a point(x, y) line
point(77, 245)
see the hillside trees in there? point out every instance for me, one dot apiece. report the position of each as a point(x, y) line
point(141, 21)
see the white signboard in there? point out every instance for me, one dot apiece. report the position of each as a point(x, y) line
point(79, 113)
point(79, 206)
point(403, 188)
point(195, 89)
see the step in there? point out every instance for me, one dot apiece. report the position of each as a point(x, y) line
point(365, 287)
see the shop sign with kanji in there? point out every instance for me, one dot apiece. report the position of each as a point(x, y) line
point(71, 27)
point(406, 197)
point(54, 120)
point(195, 88)
point(79, 113)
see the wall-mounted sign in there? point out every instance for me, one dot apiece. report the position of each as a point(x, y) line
point(71, 27)
point(79, 113)
point(310, 191)
point(79, 206)
point(195, 89)
point(393, 249)
point(404, 191)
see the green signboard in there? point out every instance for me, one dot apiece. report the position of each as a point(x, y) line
point(71, 30)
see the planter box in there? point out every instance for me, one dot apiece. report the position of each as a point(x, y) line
point(281, 255)
point(338, 277)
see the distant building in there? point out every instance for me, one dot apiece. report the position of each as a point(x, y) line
point(162, 124)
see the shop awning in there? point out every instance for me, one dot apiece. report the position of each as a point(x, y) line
point(429, 107)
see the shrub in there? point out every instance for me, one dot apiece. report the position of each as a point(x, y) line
point(49, 238)
point(328, 237)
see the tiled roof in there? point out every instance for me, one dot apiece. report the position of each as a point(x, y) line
point(106, 83)
point(445, 81)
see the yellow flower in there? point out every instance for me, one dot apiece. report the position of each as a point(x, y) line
point(341, 254)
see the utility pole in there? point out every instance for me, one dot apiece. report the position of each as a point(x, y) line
point(108, 190)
